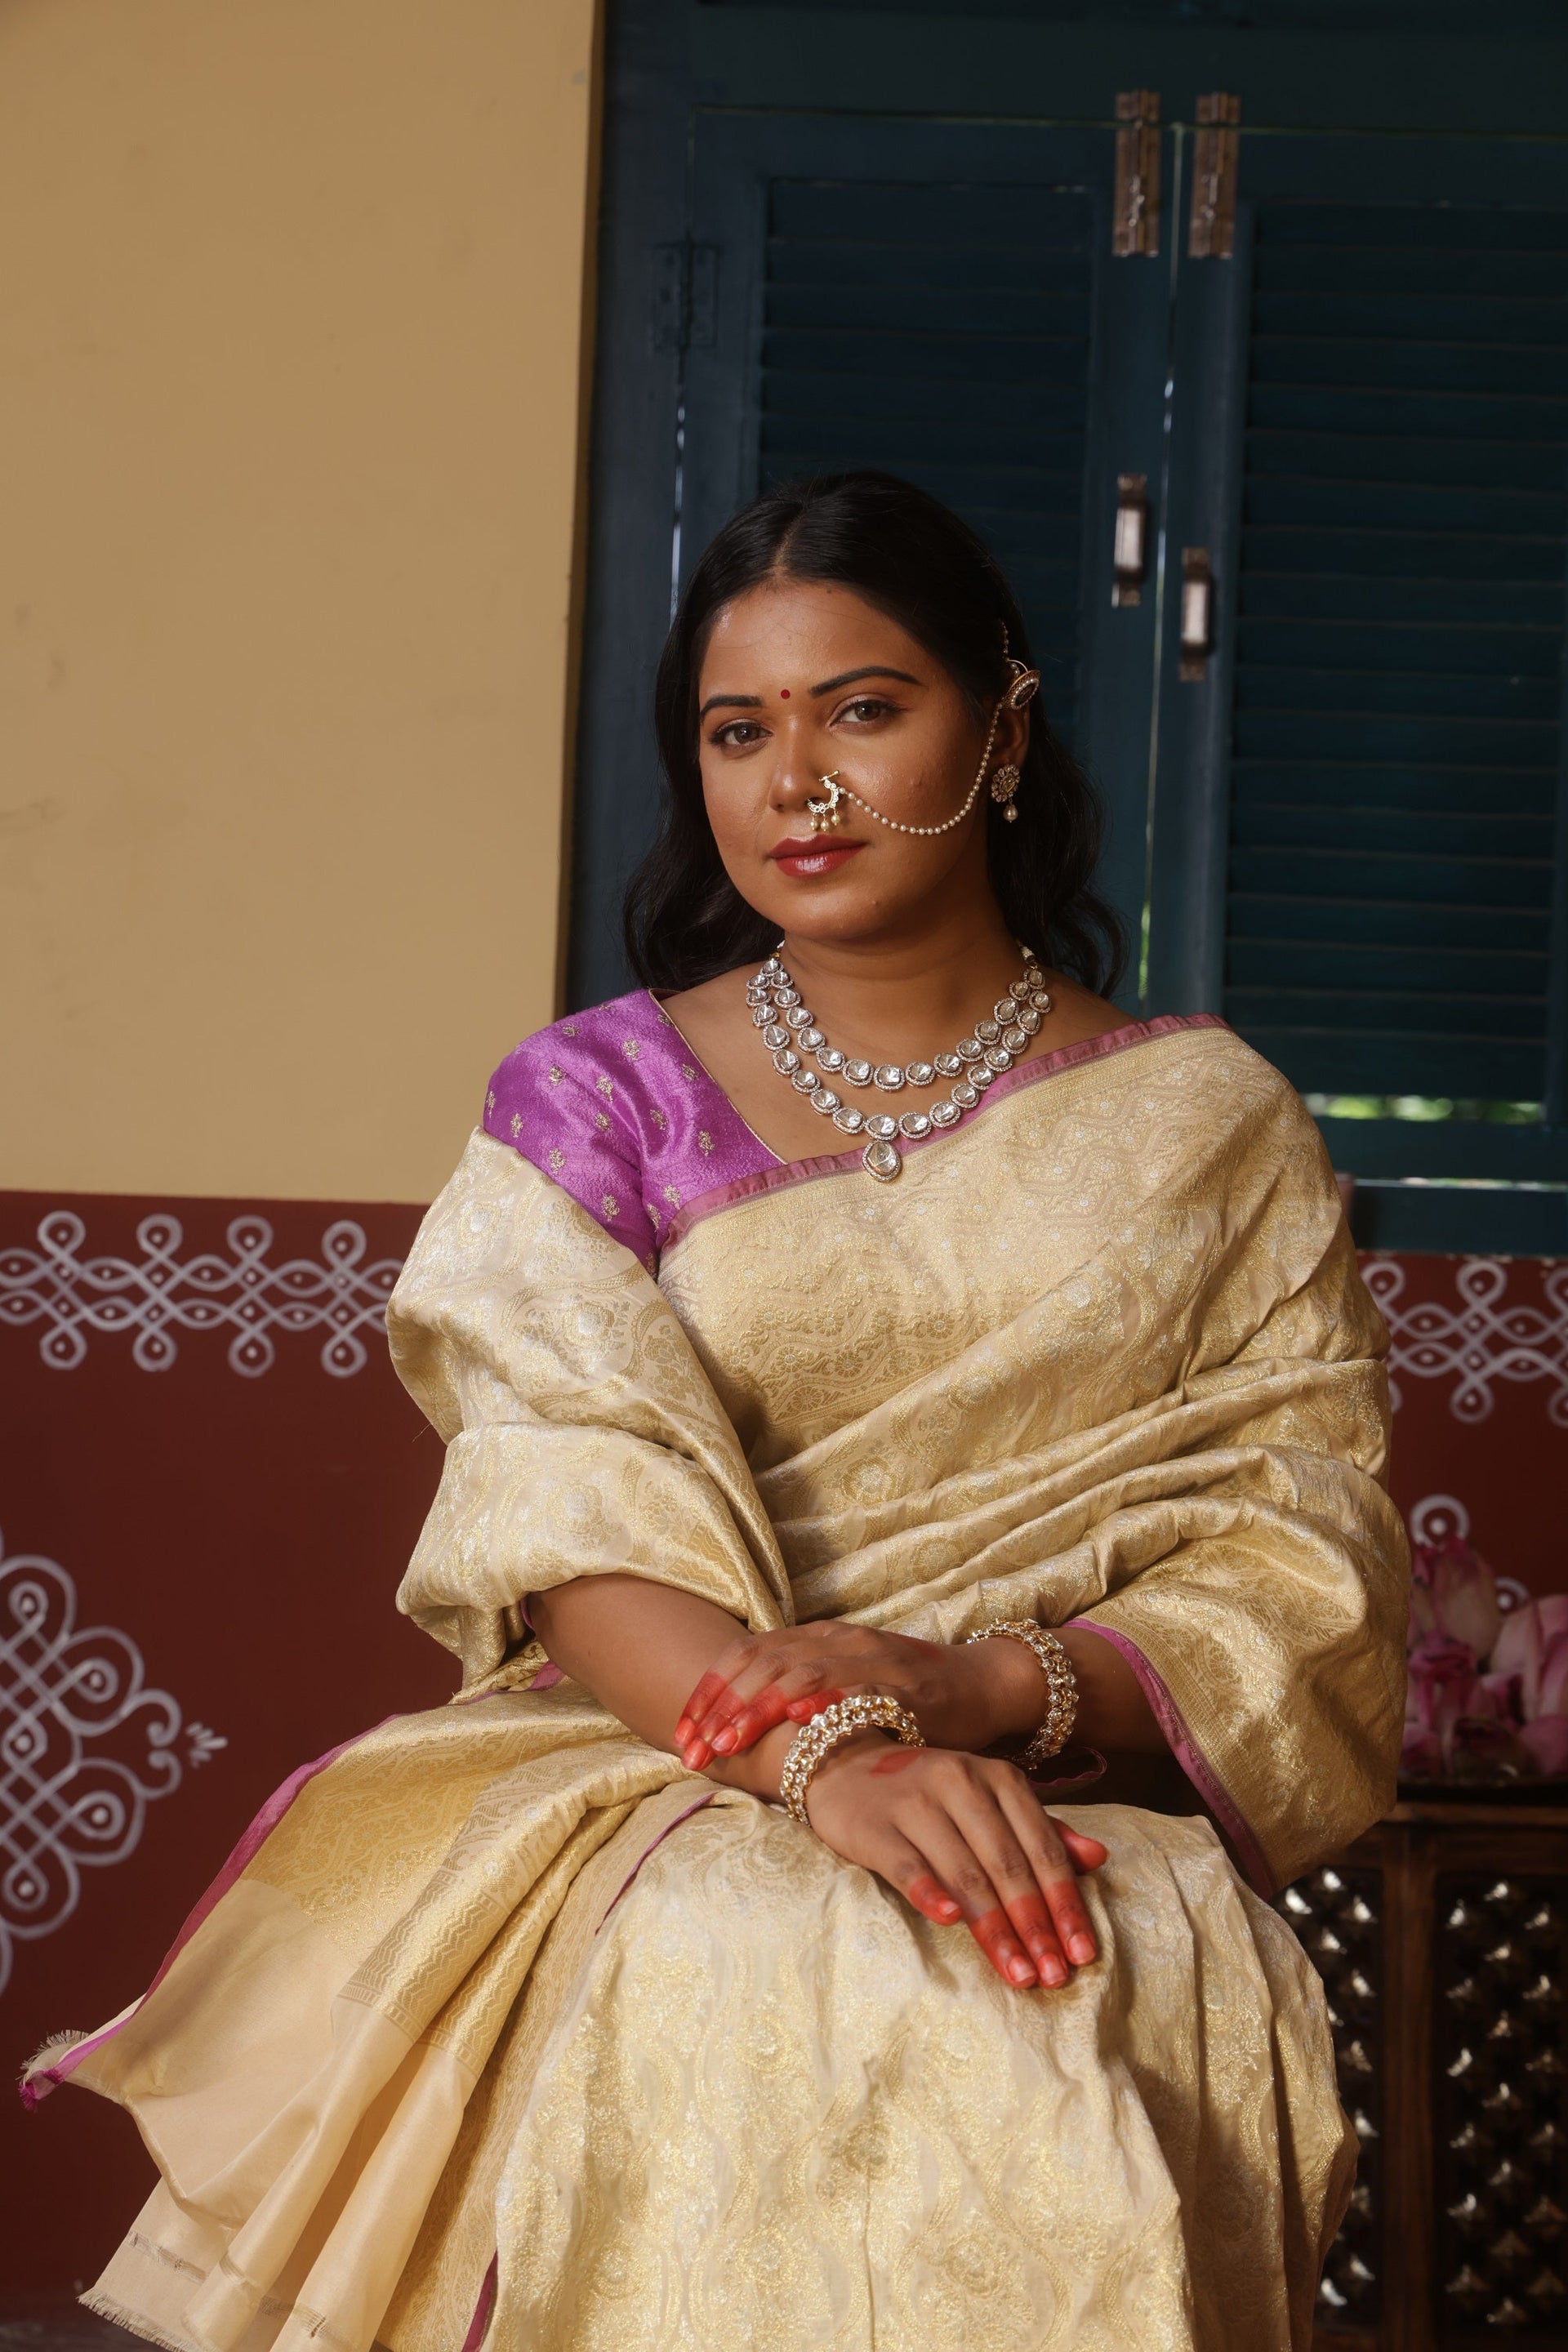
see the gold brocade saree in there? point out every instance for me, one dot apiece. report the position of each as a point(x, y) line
point(500, 2027)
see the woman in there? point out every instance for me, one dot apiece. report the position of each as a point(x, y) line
point(778, 1353)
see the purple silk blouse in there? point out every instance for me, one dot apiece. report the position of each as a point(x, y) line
point(614, 1106)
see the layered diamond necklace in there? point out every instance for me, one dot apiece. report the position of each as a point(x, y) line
point(790, 1034)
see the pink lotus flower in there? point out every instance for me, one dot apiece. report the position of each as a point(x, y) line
point(1453, 1592)
point(1443, 1684)
point(1532, 1645)
point(1488, 1692)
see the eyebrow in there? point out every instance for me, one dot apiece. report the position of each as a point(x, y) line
point(872, 669)
point(730, 702)
point(828, 685)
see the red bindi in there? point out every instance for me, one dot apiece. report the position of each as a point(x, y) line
point(784, 694)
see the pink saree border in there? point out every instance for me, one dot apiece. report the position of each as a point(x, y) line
point(1190, 1757)
point(483, 2307)
point(36, 2087)
point(785, 1172)
point(652, 1846)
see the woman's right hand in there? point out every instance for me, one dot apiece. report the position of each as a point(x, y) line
point(962, 1837)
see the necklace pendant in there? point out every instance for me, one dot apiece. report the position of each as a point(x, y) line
point(882, 1159)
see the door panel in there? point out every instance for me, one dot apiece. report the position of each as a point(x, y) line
point(940, 301)
point(1355, 855)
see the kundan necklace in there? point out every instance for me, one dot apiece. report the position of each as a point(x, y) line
point(792, 1036)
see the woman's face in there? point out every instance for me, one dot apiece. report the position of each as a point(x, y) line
point(800, 678)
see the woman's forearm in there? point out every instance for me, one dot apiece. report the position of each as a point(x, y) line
point(1112, 1712)
point(640, 1647)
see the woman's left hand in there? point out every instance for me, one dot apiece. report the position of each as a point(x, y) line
point(962, 1695)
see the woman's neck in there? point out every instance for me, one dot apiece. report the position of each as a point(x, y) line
point(899, 998)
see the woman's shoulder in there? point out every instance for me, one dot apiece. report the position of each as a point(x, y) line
point(612, 1104)
point(596, 1052)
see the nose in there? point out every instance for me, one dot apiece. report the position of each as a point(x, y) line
point(794, 778)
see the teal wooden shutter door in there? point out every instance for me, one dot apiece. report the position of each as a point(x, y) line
point(1395, 746)
point(939, 299)
point(943, 334)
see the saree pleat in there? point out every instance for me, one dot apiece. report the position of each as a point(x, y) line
point(488, 1999)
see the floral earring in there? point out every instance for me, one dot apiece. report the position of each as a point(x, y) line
point(1004, 784)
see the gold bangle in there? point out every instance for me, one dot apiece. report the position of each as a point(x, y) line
point(815, 1740)
point(1061, 1687)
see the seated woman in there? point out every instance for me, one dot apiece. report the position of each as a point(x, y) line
point(879, 1376)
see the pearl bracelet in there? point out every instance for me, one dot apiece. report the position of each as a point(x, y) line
point(815, 1740)
point(1061, 1687)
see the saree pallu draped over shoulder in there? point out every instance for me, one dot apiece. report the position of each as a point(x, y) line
point(451, 2053)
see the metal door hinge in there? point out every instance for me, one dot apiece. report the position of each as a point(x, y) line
point(1211, 231)
point(683, 315)
point(1135, 210)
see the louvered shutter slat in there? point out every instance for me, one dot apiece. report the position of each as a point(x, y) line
point(941, 332)
point(1396, 735)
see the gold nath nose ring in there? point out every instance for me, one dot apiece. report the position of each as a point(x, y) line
point(825, 814)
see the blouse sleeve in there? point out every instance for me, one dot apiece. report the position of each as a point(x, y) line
point(568, 1119)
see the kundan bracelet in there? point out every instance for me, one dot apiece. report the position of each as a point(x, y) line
point(816, 1741)
point(1061, 1687)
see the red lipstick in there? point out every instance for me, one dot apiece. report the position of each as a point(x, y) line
point(806, 861)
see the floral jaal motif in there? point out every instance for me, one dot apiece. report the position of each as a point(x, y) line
point(159, 1293)
point(86, 1746)
point(1482, 1341)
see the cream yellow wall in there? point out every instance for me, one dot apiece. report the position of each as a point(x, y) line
point(291, 345)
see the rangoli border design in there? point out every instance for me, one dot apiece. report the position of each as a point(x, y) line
point(86, 1745)
point(160, 1295)
point(1481, 1343)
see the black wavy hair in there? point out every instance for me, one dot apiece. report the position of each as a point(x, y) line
point(906, 553)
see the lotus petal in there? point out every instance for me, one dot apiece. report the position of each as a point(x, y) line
point(1463, 1597)
point(1554, 1695)
point(1545, 1741)
point(1442, 1683)
point(1520, 1649)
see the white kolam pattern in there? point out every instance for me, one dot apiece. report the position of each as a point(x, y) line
point(159, 1295)
point(1481, 1341)
point(1477, 1343)
point(86, 1746)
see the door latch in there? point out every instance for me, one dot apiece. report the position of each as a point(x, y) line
point(1197, 615)
point(1130, 545)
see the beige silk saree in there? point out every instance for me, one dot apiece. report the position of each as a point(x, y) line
point(500, 2028)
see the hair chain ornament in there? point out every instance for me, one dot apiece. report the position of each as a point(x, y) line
point(790, 1035)
point(815, 1741)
